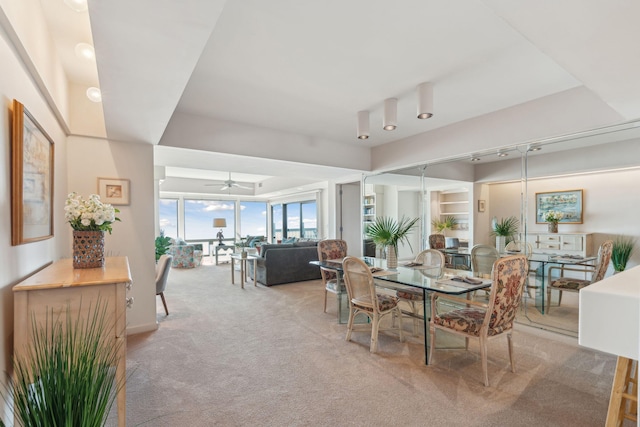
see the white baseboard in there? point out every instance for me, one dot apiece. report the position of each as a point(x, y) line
point(149, 327)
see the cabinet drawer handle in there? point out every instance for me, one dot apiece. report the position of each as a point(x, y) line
point(129, 286)
point(129, 302)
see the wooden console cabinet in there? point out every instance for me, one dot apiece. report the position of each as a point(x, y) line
point(59, 286)
point(580, 244)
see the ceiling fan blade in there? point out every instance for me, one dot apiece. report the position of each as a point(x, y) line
point(242, 186)
point(226, 186)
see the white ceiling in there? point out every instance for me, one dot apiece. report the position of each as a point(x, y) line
point(307, 67)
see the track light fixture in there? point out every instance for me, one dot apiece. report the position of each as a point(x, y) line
point(363, 124)
point(390, 120)
point(425, 100)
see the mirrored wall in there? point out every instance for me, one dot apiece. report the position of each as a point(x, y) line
point(591, 176)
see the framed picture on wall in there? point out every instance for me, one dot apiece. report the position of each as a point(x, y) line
point(32, 152)
point(114, 191)
point(569, 203)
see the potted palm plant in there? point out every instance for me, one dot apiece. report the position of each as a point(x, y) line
point(387, 232)
point(163, 243)
point(504, 230)
point(621, 252)
point(448, 223)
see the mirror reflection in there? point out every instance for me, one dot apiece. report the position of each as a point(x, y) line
point(504, 201)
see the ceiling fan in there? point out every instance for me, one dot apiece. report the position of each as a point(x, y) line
point(229, 183)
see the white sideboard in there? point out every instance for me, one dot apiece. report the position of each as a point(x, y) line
point(562, 243)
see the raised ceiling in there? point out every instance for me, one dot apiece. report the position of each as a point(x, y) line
point(306, 68)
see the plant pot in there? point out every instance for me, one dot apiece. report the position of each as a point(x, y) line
point(244, 254)
point(501, 243)
point(392, 258)
point(553, 227)
point(88, 249)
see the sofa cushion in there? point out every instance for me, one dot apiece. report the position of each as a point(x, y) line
point(301, 244)
point(265, 248)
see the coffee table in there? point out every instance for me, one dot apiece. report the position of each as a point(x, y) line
point(243, 268)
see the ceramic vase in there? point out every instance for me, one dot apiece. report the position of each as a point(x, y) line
point(392, 258)
point(553, 227)
point(88, 249)
point(501, 242)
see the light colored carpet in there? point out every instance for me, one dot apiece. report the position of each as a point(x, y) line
point(263, 356)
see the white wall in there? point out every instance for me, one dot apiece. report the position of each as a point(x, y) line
point(611, 204)
point(90, 159)
point(18, 262)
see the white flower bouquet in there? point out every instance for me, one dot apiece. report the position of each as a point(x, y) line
point(89, 215)
point(553, 216)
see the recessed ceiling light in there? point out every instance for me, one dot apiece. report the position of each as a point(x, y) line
point(77, 5)
point(535, 148)
point(85, 51)
point(94, 94)
point(502, 154)
point(475, 159)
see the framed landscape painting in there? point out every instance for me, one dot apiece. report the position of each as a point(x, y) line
point(31, 179)
point(568, 202)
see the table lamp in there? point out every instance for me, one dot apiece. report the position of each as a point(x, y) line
point(221, 223)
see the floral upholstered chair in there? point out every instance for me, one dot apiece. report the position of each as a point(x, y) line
point(186, 256)
point(364, 299)
point(431, 264)
point(484, 320)
point(570, 284)
point(329, 249)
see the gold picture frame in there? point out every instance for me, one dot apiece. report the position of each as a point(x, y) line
point(114, 191)
point(568, 202)
point(32, 161)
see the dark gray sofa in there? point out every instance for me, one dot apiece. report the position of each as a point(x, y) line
point(286, 263)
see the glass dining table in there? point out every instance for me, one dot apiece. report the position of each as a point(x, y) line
point(417, 277)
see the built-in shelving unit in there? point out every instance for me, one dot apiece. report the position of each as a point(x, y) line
point(368, 209)
point(455, 203)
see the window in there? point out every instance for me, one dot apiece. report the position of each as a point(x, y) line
point(301, 220)
point(253, 219)
point(168, 217)
point(199, 215)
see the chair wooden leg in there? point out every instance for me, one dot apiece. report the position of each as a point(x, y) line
point(483, 357)
point(325, 300)
point(164, 302)
point(432, 344)
point(350, 323)
point(375, 326)
point(398, 313)
point(510, 344)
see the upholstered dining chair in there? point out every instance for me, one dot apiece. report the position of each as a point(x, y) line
point(331, 249)
point(162, 273)
point(524, 248)
point(432, 261)
point(480, 320)
point(569, 284)
point(437, 241)
point(363, 298)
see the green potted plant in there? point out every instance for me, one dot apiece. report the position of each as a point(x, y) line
point(504, 230)
point(387, 232)
point(621, 252)
point(163, 243)
point(448, 223)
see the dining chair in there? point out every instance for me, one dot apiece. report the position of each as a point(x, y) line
point(364, 299)
point(521, 247)
point(331, 249)
point(162, 274)
point(483, 320)
point(570, 284)
point(437, 241)
point(482, 259)
point(433, 262)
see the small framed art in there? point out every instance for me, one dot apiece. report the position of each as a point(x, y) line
point(114, 191)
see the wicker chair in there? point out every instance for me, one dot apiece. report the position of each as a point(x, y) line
point(570, 284)
point(363, 298)
point(482, 259)
point(432, 261)
point(484, 320)
point(331, 249)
